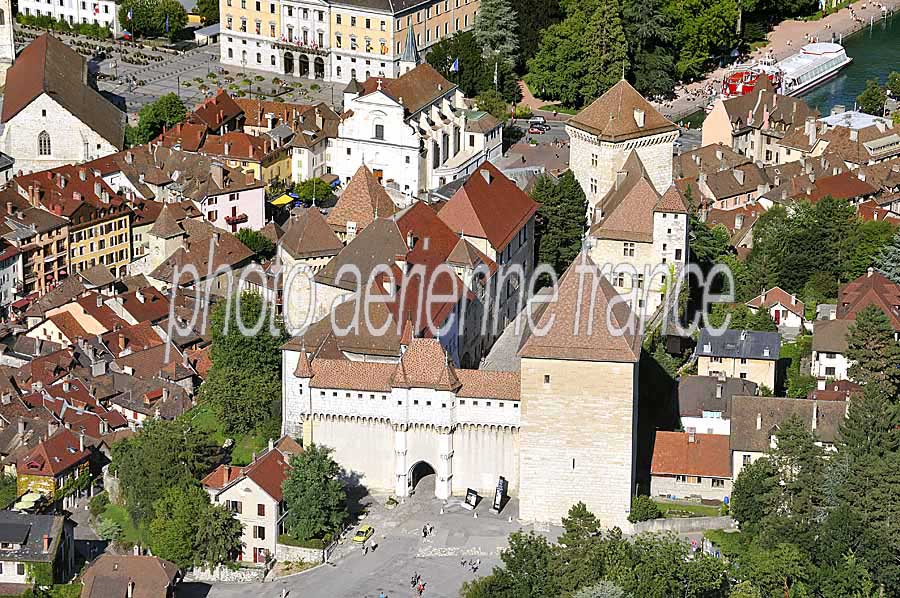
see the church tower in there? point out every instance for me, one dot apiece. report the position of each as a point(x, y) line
point(7, 44)
point(410, 58)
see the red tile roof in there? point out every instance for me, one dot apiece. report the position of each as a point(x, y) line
point(221, 476)
point(137, 337)
point(363, 200)
point(53, 456)
point(683, 453)
point(775, 295)
point(146, 305)
point(413, 90)
point(845, 185)
point(216, 111)
point(612, 116)
point(489, 206)
point(872, 288)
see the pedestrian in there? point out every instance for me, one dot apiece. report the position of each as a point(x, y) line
point(425, 531)
point(365, 549)
point(381, 594)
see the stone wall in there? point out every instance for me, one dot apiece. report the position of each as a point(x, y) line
point(688, 524)
point(285, 553)
point(577, 439)
point(223, 574)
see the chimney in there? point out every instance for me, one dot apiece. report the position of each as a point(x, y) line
point(9, 208)
point(271, 444)
point(869, 271)
point(227, 472)
point(691, 438)
point(815, 415)
point(227, 147)
point(129, 158)
point(165, 394)
point(46, 544)
point(21, 427)
point(104, 427)
point(639, 117)
point(217, 171)
point(140, 296)
point(99, 300)
point(854, 135)
point(81, 442)
point(759, 421)
point(130, 593)
point(67, 386)
point(82, 174)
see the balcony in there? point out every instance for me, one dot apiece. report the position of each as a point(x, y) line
point(239, 219)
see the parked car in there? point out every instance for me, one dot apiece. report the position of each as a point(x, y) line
point(535, 130)
point(537, 120)
point(363, 533)
point(544, 128)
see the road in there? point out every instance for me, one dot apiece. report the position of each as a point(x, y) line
point(401, 552)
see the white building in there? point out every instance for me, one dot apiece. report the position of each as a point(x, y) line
point(77, 12)
point(51, 116)
point(784, 308)
point(687, 465)
point(829, 351)
point(413, 132)
point(12, 277)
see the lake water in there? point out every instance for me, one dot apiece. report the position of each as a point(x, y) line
point(875, 51)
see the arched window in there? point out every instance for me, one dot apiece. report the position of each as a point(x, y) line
point(44, 144)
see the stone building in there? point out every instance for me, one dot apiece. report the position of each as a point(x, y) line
point(603, 135)
point(392, 420)
point(51, 115)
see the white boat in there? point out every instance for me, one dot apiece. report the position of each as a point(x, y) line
point(811, 66)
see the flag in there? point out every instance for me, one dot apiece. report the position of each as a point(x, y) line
point(129, 15)
point(167, 23)
point(96, 9)
point(454, 68)
point(495, 74)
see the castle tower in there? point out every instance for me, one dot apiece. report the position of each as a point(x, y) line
point(604, 134)
point(7, 44)
point(579, 389)
point(410, 58)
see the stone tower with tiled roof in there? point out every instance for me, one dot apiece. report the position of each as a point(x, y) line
point(579, 388)
point(604, 134)
point(7, 46)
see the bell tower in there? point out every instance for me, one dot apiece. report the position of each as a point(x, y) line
point(7, 45)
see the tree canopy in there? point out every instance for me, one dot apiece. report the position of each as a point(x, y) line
point(561, 220)
point(496, 32)
point(256, 242)
point(872, 98)
point(166, 111)
point(314, 494)
point(475, 75)
point(153, 18)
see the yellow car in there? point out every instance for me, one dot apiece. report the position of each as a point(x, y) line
point(363, 533)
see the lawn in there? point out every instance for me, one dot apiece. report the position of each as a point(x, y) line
point(559, 108)
point(676, 510)
point(204, 418)
point(130, 532)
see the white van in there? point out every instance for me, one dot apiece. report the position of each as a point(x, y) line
point(537, 120)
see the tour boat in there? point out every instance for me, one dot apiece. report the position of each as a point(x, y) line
point(812, 65)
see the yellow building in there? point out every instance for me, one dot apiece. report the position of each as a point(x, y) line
point(99, 219)
point(53, 466)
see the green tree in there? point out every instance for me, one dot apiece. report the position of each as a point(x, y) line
point(872, 99)
point(243, 400)
point(475, 74)
point(872, 351)
point(893, 84)
point(179, 514)
point(166, 111)
point(257, 242)
point(108, 529)
point(314, 494)
point(532, 17)
point(218, 537)
point(754, 494)
point(608, 54)
point(314, 191)
point(782, 571)
point(528, 564)
point(496, 29)
point(643, 509)
point(233, 349)
point(153, 18)
point(703, 31)
point(888, 260)
point(561, 220)
point(208, 11)
point(872, 239)
point(165, 455)
point(491, 101)
point(648, 29)
point(708, 245)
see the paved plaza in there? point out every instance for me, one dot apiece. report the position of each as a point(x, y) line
point(401, 552)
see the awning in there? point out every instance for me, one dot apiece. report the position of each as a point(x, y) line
point(333, 180)
point(284, 199)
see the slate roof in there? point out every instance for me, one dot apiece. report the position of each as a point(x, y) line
point(489, 206)
point(48, 66)
point(611, 117)
point(580, 329)
point(29, 530)
point(744, 344)
point(697, 394)
point(771, 412)
point(683, 453)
